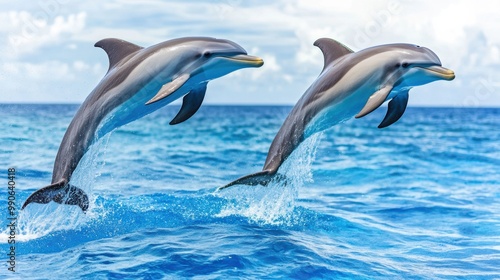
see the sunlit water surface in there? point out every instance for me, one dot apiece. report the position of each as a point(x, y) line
point(417, 200)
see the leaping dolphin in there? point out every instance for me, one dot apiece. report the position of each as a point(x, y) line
point(351, 84)
point(139, 81)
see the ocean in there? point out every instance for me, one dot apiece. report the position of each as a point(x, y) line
point(417, 200)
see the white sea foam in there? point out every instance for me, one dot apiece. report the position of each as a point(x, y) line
point(275, 203)
point(38, 220)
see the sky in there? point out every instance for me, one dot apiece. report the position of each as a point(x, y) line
point(48, 54)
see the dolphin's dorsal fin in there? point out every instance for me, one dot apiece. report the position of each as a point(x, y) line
point(116, 49)
point(331, 49)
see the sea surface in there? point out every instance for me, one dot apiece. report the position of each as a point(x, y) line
point(417, 200)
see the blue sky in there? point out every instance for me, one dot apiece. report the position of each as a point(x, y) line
point(48, 54)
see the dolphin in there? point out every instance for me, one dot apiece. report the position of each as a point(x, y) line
point(138, 82)
point(350, 84)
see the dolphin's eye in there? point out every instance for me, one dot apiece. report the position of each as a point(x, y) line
point(405, 64)
point(207, 54)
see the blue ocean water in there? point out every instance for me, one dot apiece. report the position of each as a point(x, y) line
point(418, 200)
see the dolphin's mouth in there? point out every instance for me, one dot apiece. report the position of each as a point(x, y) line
point(439, 71)
point(249, 60)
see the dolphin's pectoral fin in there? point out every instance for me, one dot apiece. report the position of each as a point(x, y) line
point(190, 104)
point(169, 88)
point(117, 49)
point(260, 178)
point(396, 108)
point(60, 192)
point(331, 49)
point(375, 100)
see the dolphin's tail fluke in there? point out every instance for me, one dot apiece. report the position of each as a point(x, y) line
point(60, 192)
point(260, 178)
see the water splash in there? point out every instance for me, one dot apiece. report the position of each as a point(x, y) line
point(275, 203)
point(39, 220)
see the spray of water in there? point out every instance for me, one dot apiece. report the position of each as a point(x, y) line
point(275, 203)
point(39, 220)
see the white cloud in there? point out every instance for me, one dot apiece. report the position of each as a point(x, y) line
point(50, 81)
point(29, 32)
point(51, 70)
point(46, 71)
point(270, 65)
point(464, 34)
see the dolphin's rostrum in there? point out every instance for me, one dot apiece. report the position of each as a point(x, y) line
point(351, 84)
point(138, 82)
